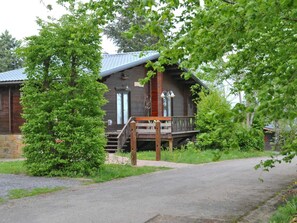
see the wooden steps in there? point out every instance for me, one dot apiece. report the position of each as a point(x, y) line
point(112, 142)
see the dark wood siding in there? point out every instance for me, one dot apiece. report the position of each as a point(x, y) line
point(182, 104)
point(138, 95)
point(10, 113)
point(16, 119)
point(4, 112)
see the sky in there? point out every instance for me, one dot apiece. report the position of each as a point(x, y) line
point(19, 18)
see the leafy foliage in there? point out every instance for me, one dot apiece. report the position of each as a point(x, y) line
point(221, 128)
point(62, 99)
point(214, 120)
point(8, 57)
point(252, 45)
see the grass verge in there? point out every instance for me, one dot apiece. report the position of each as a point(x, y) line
point(286, 212)
point(109, 172)
point(2, 200)
point(20, 193)
point(194, 156)
point(105, 173)
point(13, 167)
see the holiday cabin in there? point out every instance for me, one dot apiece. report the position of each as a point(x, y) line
point(166, 98)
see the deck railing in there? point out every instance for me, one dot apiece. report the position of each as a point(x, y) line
point(146, 126)
point(183, 123)
point(124, 134)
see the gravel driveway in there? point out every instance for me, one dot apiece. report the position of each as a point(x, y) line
point(9, 182)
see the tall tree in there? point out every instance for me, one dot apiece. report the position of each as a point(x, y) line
point(119, 30)
point(8, 57)
point(62, 99)
point(254, 40)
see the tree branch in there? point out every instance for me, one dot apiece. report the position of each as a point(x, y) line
point(229, 2)
point(290, 19)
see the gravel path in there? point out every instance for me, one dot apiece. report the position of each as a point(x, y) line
point(9, 182)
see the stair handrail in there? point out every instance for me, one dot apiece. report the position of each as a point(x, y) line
point(124, 134)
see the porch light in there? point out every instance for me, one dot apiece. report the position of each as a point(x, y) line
point(168, 94)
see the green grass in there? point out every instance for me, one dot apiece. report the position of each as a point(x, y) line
point(2, 200)
point(194, 156)
point(13, 167)
point(286, 212)
point(105, 173)
point(109, 172)
point(20, 193)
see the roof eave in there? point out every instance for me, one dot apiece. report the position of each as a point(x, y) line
point(129, 65)
point(11, 82)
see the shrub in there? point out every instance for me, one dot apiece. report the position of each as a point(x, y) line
point(214, 120)
point(62, 99)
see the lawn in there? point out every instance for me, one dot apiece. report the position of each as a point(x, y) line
point(105, 173)
point(194, 156)
point(13, 167)
point(20, 193)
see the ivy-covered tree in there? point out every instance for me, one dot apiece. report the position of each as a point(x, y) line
point(8, 57)
point(119, 29)
point(62, 99)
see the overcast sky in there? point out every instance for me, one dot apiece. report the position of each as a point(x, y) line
point(19, 18)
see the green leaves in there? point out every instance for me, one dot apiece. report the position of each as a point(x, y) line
point(62, 98)
point(224, 129)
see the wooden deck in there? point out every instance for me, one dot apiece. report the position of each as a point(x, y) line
point(172, 129)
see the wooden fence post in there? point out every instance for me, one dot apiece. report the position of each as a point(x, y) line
point(133, 143)
point(158, 140)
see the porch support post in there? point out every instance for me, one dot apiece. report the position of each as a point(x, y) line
point(158, 140)
point(159, 92)
point(156, 91)
point(170, 144)
point(133, 143)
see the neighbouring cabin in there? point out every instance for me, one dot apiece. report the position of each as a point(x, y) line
point(165, 95)
point(10, 109)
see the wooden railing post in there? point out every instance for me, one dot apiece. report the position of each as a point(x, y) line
point(133, 143)
point(158, 140)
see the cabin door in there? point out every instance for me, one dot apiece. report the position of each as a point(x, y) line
point(123, 107)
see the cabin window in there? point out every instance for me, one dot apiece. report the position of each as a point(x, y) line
point(0, 102)
point(123, 104)
point(167, 107)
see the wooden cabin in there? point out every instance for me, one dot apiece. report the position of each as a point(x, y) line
point(166, 97)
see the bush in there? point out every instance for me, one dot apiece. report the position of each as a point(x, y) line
point(214, 120)
point(249, 138)
point(62, 98)
point(224, 128)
